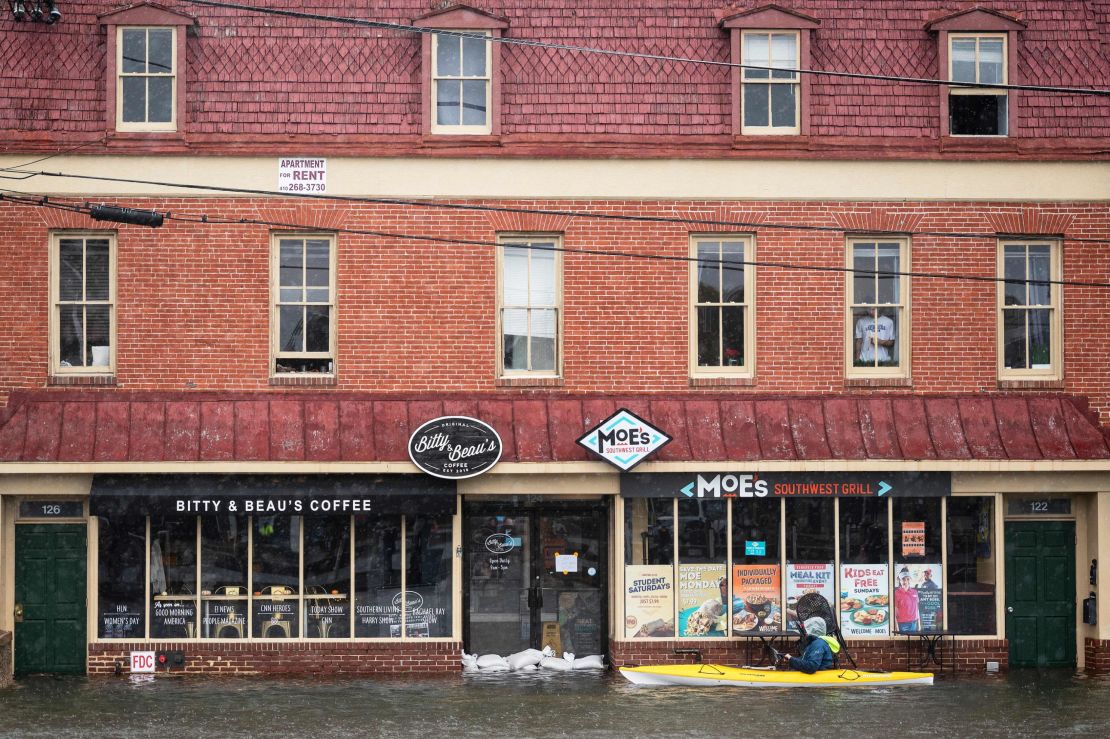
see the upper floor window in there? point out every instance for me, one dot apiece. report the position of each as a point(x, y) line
point(722, 286)
point(147, 79)
point(303, 323)
point(1029, 310)
point(977, 59)
point(82, 317)
point(530, 307)
point(461, 84)
point(770, 97)
point(878, 321)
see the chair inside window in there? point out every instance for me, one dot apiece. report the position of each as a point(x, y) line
point(229, 625)
point(277, 626)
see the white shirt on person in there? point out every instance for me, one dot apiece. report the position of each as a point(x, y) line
point(883, 329)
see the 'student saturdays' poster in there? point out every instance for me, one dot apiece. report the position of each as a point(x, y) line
point(918, 597)
point(756, 598)
point(701, 601)
point(648, 600)
point(815, 578)
point(864, 600)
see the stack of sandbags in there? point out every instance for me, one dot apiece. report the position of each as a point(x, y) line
point(530, 659)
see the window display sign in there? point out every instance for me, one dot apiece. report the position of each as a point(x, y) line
point(701, 594)
point(624, 439)
point(121, 621)
point(864, 600)
point(755, 549)
point(756, 598)
point(786, 485)
point(455, 447)
point(648, 600)
point(173, 618)
point(808, 578)
point(913, 538)
point(918, 597)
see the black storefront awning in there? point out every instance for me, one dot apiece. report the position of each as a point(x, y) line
point(294, 495)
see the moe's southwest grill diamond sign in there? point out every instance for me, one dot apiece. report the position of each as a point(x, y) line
point(455, 447)
point(624, 439)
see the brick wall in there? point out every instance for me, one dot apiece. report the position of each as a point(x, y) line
point(894, 654)
point(300, 658)
point(1097, 656)
point(5, 658)
point(193, 299)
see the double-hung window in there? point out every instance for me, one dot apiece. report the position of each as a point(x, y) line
point(147, 82)
point(977, 59)
point(877, 316)
point(1029, 310)
point(530, 306)
point(722, 287)
point(461, 83)
point(83, 315)
point(771, 93)
point(303, 323)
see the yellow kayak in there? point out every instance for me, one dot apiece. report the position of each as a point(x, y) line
point(766, 677)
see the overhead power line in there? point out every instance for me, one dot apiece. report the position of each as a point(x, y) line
point(386, 25)
point(728, 264)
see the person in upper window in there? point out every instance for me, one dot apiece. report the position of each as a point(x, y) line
point(874, 339)
point(818, 651)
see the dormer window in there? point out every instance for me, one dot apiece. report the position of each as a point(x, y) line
point(977, 59)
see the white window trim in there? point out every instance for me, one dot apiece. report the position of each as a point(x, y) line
point(1056, 369)
point(904, 324)
point(797, 83)
point(55, 328)
point(275, 310)
point(520, 239)
point(160, 127)
point(746, 370)
point(961, 90)
point(485, 128)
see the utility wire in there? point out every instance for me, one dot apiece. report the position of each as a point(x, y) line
point(70, 150)
point(754, 225)
point(638, 54)
point(728, 264)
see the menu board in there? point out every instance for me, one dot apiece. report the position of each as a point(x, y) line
point(756, 598)
point(648, 600)
point(864, 600)
point(701, 601)
point(918, 597)
point(808, 578)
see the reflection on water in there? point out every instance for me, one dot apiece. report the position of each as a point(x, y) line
point(541, 704)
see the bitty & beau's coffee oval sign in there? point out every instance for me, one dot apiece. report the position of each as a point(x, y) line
point(455, 447)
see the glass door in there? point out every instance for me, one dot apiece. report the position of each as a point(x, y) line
point(570, 580)
point(499, 581)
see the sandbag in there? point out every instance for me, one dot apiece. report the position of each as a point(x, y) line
point(497, 667)
point(568, 656)
point(555, 663)
point(591, 662)
point(528, 668)
point(489, 660)
point(521, 660)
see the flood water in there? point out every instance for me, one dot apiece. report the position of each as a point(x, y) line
point(509, 705)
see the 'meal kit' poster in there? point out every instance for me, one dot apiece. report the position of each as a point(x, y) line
point(864, 600)
point(648, 600)
point(802, 579)
point(918, 597)
point(701, 601)
point(756, 596)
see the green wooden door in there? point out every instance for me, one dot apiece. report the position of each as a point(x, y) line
point(1040, 593)
point(50, 586)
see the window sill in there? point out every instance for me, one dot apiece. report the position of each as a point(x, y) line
point(82, 380)
point(733, 381)
point(461, 139)
point(529, 382)
point(295, 380)
point(878, 382)
point(1048, 383)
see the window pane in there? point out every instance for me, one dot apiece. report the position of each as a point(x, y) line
point(290, 262)
point(317, 262)
point(161, 99)
point(515, 328)
point(313, 295)
point(161, 51)
point(276, 576)
point(702, 568)
point(327, 577)
point(1013, 262)
point(784, 48)
point(70, 269)
point(701, 531)
point(378, 577)
point(98, 335)
point(732, 275)
point(71, 332)
point(709, 274)
point(755, 522)
point(514, 283)
point(733, 327)
point(291, 328)
point(783, 105)
point(918, 602)
point(97, 267)
point(121, 568)
point(863, 531)
point(863, 278)
point(756, 105)
point(428, 576)
point(809, 530)
point(447, 55)
point(1040, 268)
point(757, 52)
point(474, 57)
point(889, 261)
point(134, 99)
point(709, 337)
point(925, 510)
point(290, 295)
point(173, 577)
point(873, 337)
point(474, 102)
point(1040, 339)
point(991, 60)
point(1013, 328)
point(972, 565)
point(542, 277)
point(318, 337)
point(963, 60)
point(134, 51)
point(223, 576)
point(977, 115)
point(544, 326)
point(648, 531)
point(448, 93)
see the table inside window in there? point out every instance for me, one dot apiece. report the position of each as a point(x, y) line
point(928, 641)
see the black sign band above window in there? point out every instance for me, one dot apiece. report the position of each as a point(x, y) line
point(294, 495)
point(786, 485)
point(455, 447)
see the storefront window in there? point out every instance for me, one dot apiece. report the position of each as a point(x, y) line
point(120, 583)
point(918, 592)
point(378, 577)
point(428, 576)
point(223, 542)
point(702, 568)
point(276, 563)
point(649, 568)
point(810, 532)
point(649, 531)
point(972, 565)
point(327, 577)
point(173, 577)
point(756, 570)
point(864, 574)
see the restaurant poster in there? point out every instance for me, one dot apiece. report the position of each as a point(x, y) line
point(913, 538)
point(865, 600)
point(918, 597)
point(809, 578)
point(756, 598)
point(648, 600)
point(701, 600)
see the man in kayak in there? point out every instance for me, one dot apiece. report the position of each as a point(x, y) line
point(818, 652)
